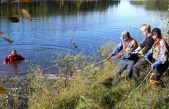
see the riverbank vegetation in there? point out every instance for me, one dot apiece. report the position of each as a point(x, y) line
point(78, 86)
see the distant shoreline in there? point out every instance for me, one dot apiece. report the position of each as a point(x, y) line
point(7, 1)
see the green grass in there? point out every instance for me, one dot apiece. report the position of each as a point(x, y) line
point(85, 89)
point(80, 88)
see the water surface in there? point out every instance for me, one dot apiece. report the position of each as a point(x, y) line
point(76, 27)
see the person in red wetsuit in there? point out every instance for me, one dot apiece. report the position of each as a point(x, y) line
point(13, 57)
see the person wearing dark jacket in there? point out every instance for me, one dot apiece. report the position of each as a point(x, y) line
point(148, 41)
point(159, 54)
point(124, 51)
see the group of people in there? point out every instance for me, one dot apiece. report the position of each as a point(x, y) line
point(154, 50)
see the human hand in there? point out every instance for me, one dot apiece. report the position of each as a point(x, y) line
point(138, 49)
point(140, 52)
point(155, 64)
point(119, 55)
point(5, 62)
point(108, 57)
point(147, 55)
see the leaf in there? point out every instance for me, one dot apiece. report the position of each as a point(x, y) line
point(14, 19)
point(8, 40)
point(1, 32)
point(2, 90)
point(26, 14)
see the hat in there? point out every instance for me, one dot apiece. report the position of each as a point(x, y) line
point(125, 33)
point(156, 31)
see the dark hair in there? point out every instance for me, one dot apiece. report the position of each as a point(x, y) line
point(125, 33)
point(128, 34)
point(156, 31)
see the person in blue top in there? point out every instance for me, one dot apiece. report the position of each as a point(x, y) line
point(124, 51)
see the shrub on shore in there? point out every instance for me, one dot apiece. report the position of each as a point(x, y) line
point(90, 88)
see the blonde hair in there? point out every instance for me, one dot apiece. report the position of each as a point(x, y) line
point(147, 27)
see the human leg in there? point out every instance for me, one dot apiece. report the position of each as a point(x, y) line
point(122, 66)
point(158, 72)
point(142, 63)
point(130, 64)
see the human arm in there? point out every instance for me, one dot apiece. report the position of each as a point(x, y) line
point(6, 60)
point(137, 50)
point(156, 63)
point(148, 54)
point(142, 45)
point(163, 51)
point(117, 49)
point(148, 45)
point(19, 57)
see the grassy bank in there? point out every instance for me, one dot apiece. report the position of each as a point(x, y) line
point(90, 88)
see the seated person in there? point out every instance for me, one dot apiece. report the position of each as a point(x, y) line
point(124, 51)
point(159, 58)
point(148, 41)
point(13, 57)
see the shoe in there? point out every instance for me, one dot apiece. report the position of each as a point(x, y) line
point(153, 82)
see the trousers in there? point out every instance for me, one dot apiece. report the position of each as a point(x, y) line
point(157, 71)
point(126, 63)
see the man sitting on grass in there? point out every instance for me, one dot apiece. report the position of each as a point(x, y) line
point(124, 52)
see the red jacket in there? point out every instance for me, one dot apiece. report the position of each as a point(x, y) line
point(11, 59)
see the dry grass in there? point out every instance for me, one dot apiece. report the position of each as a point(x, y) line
point(86, 89)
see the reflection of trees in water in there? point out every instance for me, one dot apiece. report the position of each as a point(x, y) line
point(161, 5)
point(56, 7)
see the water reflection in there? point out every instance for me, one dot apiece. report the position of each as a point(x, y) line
point(49, 8)
point(76, 27)
point(161, 5)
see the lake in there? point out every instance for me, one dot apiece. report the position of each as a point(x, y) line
point(76, 27)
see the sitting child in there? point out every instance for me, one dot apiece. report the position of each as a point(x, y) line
point(13, 57)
